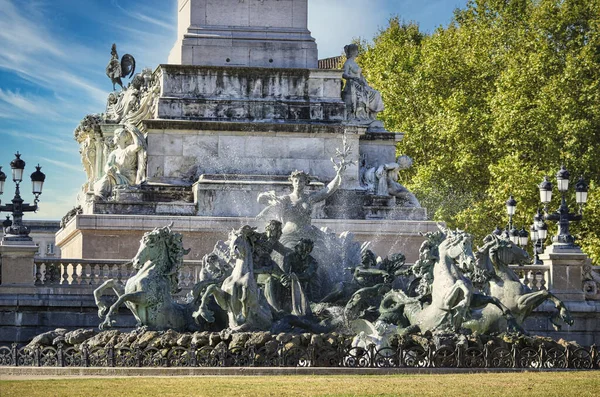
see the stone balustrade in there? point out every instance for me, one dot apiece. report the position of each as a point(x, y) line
point(92, 273)
point(536, 277)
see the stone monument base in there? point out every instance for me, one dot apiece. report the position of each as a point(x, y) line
point(117, 236)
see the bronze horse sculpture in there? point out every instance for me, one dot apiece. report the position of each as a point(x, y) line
point(501, 282)
point(149, 293)
point(239, 295)
point(451, 298)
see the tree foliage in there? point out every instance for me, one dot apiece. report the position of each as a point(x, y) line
point(502, 96)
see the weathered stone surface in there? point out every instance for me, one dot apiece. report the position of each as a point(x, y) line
point(258, 339)
point(146, 339)
point(201, 338)
point(104, 338)
point(185, 340)
point(78, 336)
point(47, 338)
point(238, 340)
point(248, 94)
point(214, 339)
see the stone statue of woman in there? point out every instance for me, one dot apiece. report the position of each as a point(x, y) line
point(362, 102)
point(123, 163)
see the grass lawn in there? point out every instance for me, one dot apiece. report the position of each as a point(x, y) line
point(545, 384)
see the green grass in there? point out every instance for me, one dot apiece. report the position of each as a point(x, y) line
point(544, 384)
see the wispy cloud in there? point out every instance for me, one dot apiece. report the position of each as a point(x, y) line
point(50, 141)
point(145, 17)
point(14, 104)
point(63, 164)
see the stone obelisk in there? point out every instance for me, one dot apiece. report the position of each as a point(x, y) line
point(265, 33)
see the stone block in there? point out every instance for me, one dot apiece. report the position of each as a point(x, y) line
point(180, 167)
point(200, 146)
point(306, 148)
point(155, 167)
point(155, 143)
point(173, 145)
point(232, 146)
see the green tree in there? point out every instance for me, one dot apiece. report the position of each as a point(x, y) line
point(502, 96)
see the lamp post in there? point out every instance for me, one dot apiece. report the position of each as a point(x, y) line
point(538, 233)
point(518, 237)
point(563, 216)
point(15, 230)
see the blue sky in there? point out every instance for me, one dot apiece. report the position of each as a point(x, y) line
point(53, 54)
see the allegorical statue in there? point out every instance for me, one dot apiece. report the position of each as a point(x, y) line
point(382, 180)
point(294, 210)
point(118, 69)
point(362, 102)
point(125, 165)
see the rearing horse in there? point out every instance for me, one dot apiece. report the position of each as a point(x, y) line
point(453, 296)
point(148, 293)
point(239, 295)
point(501, 282)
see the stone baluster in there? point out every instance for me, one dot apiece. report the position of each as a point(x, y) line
point(77, 274)
point(86, 276)
point(64, 269)
point(38, 274)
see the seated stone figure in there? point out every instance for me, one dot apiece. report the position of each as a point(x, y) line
point(124, 163)
point(362, 102)
point(383, 181)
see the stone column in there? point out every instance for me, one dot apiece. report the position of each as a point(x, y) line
point(17, 264)
point(566, 270)
point(255, 33)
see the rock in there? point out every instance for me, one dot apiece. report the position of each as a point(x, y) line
point(104, 338)
point(294, 342)
point(225, 335)
point(57, 340)
point(306, 338)
point(185, 340)
point(284, 338)
point(221, 346)
point(258, 339)
point(317, 340)
point(145, 339)
point(238, 340)
point(126, 340)
point(214, 339)
point(78, 336)
point(46, 338)
point(167, 340)
point(201, 339)
point(271, 346)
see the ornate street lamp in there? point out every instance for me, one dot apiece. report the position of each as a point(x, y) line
point(523, 237)
point(15, 230)
point(562, 216)
point(538, 232)
point(511, 207)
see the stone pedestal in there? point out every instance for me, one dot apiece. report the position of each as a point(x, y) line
point(118, 236)
point(258, 33)
point(566, 262)
point(16, 261)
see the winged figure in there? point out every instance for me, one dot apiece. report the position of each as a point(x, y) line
point(118, 69)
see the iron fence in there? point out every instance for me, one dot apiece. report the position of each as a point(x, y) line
point(415, 356)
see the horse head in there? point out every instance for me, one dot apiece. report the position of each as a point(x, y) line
point(239, 242)
point(502, 252)
point(164, 248)
point(457, 246)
